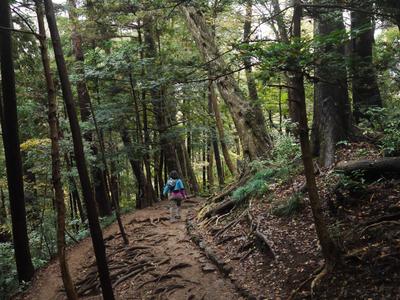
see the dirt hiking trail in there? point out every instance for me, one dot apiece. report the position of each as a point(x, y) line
point(160, 262)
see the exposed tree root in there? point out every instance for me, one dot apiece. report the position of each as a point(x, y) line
point(231, 224)
point(261, 240)
point(305, 282)
point(221, 265)
point(377, 225)
point(318, 278)
point(220, 209)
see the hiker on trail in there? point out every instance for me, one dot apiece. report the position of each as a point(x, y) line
point(175, 191)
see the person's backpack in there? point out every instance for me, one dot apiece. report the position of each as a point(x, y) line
point(171, 184)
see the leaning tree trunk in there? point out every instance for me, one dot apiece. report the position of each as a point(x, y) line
point(12, 152)
point(328, 247)
point(332, 112)
point(94, 225)
point(249, 124)
point(55, 157)
point(100, 187)
point(366, 92)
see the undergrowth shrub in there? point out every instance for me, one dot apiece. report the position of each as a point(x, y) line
point(8, 272)
point(279, 168)
point(387, 122)
point(256, 186)
point(290, 206)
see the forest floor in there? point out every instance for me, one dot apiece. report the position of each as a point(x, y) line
point(160, 262)
point(221, 258)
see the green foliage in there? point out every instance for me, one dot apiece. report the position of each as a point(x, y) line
point(387, 122)
point(255, 187)
point(291, 206)
point(279, 168)
point(355, 183)
point(286, 149)
point(8, 272)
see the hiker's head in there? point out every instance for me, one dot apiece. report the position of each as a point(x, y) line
point(174, 174)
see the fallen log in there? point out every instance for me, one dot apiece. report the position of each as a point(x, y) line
point(370, 167)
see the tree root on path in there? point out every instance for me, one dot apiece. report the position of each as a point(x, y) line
point(225, 269)
point(163, 290)
point(316, 278)
point(261, 240)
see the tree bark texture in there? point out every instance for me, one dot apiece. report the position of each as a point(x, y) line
point(94, 225)
point(366, 92)
point(221, 131)
point(55, 158)
point(146, 194)
point(12, 152)
point(213, 136)
point(332, 112)
point(251, 83)
point(328, 247)
point(249, 124)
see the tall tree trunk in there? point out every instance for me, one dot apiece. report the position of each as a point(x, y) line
point(221, 132)
point(3, 209)
point(55, 158)
point(204, 169)
point(250, 125)
point(283, 35)
point(332, 112)
point(166, 144)
point(146, 132)
point(146, 192)
point(100, 187)
point(366, 92)
point(12, 152)
point(94, 225)
point(328, 247)
point(74, 188)
point(251, 83)
point(213, 136)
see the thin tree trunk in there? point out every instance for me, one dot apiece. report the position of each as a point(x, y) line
point(204, 169)
point(213, 136)
point(74, 188)
point(12, 152)
point(221, 132)
point(146, 191)
point(157, 100)
point(251, 83)
point(210, 163)
point(284, 37)
point(250, 124)
point(328, 247)
point(100, 187)
point(94, 225)
point(55, 157)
